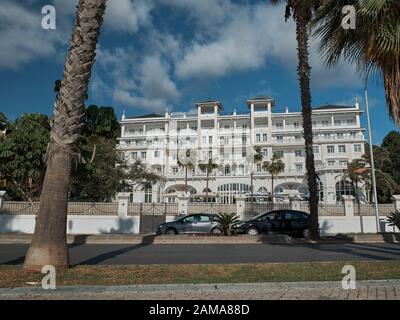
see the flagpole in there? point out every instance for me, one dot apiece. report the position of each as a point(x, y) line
point(371, 151)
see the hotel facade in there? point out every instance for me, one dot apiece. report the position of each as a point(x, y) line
point(166, 143)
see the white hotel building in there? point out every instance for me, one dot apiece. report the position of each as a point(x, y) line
point(229, 139)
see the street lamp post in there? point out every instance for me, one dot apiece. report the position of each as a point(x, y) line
point(378, 229)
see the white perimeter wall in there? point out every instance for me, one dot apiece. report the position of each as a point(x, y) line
point(113, 224)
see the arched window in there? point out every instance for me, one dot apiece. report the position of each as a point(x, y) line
point(343, 187)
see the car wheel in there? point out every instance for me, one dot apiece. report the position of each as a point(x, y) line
point(216, 232)
point(306, 234)
point(170, 231)
point(252, 231)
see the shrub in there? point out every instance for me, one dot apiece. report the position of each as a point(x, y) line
point(227, 220)
point(394, 219)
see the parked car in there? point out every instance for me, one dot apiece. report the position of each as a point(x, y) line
point(204, 223)
point(290, 222)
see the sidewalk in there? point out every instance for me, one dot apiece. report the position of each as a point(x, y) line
point(366, 290)
point(196, 239)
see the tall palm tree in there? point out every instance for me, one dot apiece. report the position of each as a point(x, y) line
point(302, 11)
point(186, 164)
point(374, 46)
point(209, 167)
point(275, 167)
point(257, 157)
point(49, 245)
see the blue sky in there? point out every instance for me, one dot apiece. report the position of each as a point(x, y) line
point(159, 54)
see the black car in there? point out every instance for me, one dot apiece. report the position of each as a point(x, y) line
point(290, 222)
point(195, 223)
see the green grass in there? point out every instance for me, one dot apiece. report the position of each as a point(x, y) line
point(12, 276)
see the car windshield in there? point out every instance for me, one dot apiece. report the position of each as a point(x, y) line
point(258, 216)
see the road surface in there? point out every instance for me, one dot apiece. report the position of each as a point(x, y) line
point(107, 254)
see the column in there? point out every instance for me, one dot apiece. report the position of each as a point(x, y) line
point(183, 203)
point(2, 195)
point(123, 200)
point(294, 203)
point(395, 199)
point(348, 202)
point(240, 206)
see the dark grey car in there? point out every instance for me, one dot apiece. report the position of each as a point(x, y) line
point(204, 223)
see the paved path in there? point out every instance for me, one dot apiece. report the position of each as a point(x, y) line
point(212, 253)
point(366, 290)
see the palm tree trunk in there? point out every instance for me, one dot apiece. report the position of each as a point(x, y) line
point(272, 188)
point(304, 78)
point(207, 185)
point(251, 187)
point(49, 245)
point(186, 178)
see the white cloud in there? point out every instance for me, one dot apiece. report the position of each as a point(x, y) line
point(21, 36)
point(135, 81)
point(252, 36)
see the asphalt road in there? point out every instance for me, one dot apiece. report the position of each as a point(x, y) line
point(13, 254)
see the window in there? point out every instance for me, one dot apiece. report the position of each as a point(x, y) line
point(316, 149)
point(244, 139)
point(298, 153)
point(357, 148)
point(279, 125)
point(156, 154)
point(339, 135)
point(143, 154)
point(342, 148)
point(350, 122)
point(227, 170)
point(265, 152)
point(297, 137)
point(296, 124)
point(244, 126)
point(204, 140)
point(258, 167)
point(331, 149)
point(264, 137)
point(280, 153)
point(210, 153)
point(243, 153)
point(314, 123)
point(134, 155)
point(204, 218)
point(325, 123)
point(258, 137)
point(175, 170)
point(327, 136)
point(148, 194)
point(299, 167)
point(279, 138)
point(226, 140)
point(210, 139)
point(227, 127)
point(331, 163)
point(128, 143)
point(338, 122)
point(343, 163)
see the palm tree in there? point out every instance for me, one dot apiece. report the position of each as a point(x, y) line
point(275, 167)
point(302, 11)
point(257, 157)
point(209, 167)
point(354, 173)
point(187, 165)
point(374, 46)
point(49, 245)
